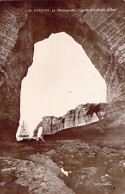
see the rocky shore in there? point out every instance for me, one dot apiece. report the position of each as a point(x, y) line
point(36, 167)
point(35, 173)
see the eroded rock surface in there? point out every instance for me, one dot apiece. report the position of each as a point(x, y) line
point(36, 174)
point(92, 169)
point(101, 34)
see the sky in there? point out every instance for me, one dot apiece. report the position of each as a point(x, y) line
point(60, 78)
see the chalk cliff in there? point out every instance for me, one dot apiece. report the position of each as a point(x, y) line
point(81, 115)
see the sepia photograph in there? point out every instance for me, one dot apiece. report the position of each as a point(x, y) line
point(62, 96)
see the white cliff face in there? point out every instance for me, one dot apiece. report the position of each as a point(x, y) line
point(81, 115)
point(81, 118)
point(47, 124)
point(70, 119)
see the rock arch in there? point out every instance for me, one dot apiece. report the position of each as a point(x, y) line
point(101, 34)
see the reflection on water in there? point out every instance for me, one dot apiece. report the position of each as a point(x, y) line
point(64, 172)
point(26, 167)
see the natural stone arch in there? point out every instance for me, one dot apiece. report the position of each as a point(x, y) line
point(101, 35)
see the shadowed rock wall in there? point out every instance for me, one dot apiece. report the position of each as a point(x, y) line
point(101, 34)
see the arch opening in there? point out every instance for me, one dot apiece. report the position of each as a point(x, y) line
point(60, 78)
